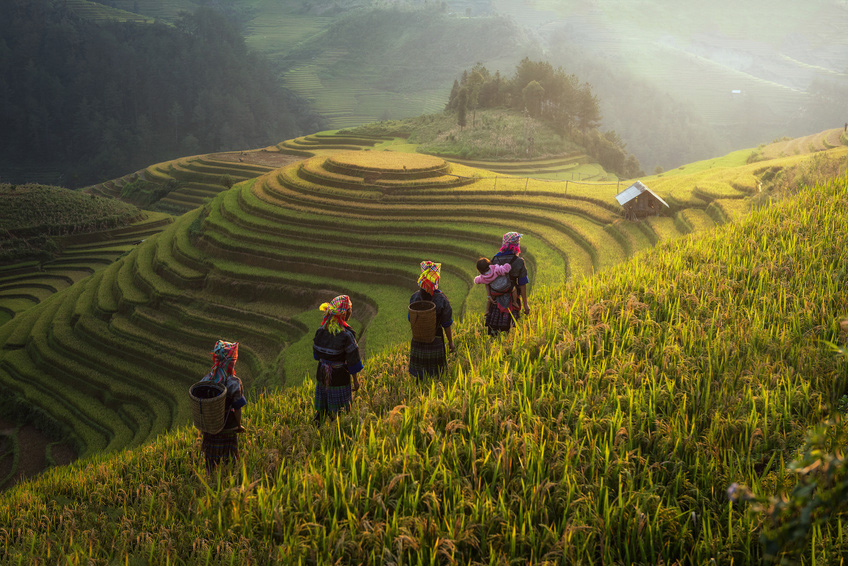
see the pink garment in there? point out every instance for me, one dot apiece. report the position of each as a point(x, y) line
point(494, 272)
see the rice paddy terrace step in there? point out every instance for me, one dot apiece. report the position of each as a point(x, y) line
point(80, 256)
point(547, 165)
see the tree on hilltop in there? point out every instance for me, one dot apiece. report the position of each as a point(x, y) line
point(462, 107)
point(533, 94)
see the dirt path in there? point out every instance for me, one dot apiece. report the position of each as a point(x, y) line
point(33, 446)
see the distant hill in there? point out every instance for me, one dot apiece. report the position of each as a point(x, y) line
point(32, 216)
point(677, 85)
point(91, 94)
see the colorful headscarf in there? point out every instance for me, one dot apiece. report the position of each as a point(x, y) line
point(224, 356)
point(430, 275)
point(335, 311)
point(510, 243)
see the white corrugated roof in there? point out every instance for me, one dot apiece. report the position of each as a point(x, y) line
point(630, 193)
point(634, 191)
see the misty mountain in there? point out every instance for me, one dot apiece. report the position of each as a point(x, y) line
point(84, 100)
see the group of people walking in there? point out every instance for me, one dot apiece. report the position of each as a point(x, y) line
point(335, 349)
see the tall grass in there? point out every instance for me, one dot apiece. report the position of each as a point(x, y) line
point(604, 429)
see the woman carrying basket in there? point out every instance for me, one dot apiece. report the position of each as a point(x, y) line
point(427, 359)
point(337, 352)
point(222, 447)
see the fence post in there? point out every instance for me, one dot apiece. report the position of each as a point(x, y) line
point(496, 182)
point(525, 185)
point(566, 187)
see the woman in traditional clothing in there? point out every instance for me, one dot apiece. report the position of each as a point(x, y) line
point(503, 310)
point(222, 447)
point(430, 359)
point(335, 348)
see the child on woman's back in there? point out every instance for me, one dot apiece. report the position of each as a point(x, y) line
point(497, 281)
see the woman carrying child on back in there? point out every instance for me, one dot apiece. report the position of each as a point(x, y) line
point(506, 281)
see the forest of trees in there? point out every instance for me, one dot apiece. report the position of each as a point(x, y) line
point(551, 95)
point(99, 100)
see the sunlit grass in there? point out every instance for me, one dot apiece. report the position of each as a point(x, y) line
point(604, 429)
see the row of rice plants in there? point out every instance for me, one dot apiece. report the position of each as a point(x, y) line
point(61, 398)
point(398, 267)
point(112, 382)
point(606, 429)
point(80, 255)
point(309, 233)
point(288, 185)
point(528, 166)
point(388, 164)
point(315, 143)
point(159, 386)
point(100, 13)
point(697, 220)
point(546, 246)
point(548, 232)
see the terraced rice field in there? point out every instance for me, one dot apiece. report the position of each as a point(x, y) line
point(111, 357)
point(276, 34)
point(156, 9)
point(197, 179)
point(347, 102)
point(531, 168)
point(98, 12)
point(25, 285)
point(820, 141)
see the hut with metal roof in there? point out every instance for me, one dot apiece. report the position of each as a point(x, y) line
point(639, 201)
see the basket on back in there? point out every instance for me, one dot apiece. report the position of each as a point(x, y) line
point(422, 318)
point(208, 406)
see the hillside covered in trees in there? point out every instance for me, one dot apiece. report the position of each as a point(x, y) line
point(84, 100)
point(551, 95)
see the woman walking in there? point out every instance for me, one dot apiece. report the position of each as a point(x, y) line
point(503, 310)
point(222, 447)
point(337, 352)
point(428, 359)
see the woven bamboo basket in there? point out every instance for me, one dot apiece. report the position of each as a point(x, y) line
point(208, 406)
point(422, 318)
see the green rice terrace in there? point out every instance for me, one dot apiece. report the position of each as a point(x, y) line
point(116, 351)
point(100, 343)
point(605, 429)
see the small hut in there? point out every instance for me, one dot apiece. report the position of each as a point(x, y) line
point(639, 201)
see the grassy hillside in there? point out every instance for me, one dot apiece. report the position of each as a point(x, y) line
point(495, 134)
point(33, 216)
point(116, 351)
point(605, 429)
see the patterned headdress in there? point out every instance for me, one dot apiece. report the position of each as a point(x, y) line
point(224, 356)
point(510, 243)
point(430, 275)
point(335, 311)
